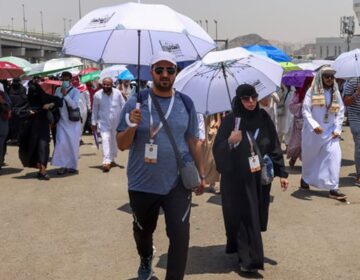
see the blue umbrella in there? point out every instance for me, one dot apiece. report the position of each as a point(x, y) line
point(269, 51)
point(126, 75)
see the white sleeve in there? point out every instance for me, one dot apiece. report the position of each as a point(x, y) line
point(306, 111)
point(95, 110)
point(201, 122)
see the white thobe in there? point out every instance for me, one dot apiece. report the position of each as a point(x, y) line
point(321, 154)
point(66, 152)
point(85, 106)
point(106, 115)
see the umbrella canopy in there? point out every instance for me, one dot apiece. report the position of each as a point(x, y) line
point(91, 76)
point(289, 66)
point(54, 66)
point(347, 65)
point(211, 82)
point(9, 70)
point(297, 78)
point(113, 72)
point(112, 35)
point(315, 64)
point(88, 70)
point(269, 51)
point(20, 62)
point(126, 75)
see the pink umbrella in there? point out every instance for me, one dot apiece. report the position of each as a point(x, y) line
point(9, 70)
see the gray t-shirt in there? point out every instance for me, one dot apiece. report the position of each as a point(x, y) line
point(161, 177)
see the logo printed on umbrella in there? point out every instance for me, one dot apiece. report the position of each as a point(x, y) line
point(170, 47)
point(100, 21)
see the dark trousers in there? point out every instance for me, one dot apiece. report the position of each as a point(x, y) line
point(176, 206)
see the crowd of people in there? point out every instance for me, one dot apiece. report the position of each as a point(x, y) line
point(234, 152)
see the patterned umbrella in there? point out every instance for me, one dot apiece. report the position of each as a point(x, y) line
point(9, 70)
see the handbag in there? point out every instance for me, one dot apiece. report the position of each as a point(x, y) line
point(187, 168)
point(267, 166)
point(74, 114)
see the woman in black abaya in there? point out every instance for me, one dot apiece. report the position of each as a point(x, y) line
point(245, 202)
point(34, 136)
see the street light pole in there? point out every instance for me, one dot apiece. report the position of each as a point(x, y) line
point(64, 19)
point(207, 26)
point(79, 9)
point(12, 24)
point(42, 25)
point(24, 20)
point(216, 30)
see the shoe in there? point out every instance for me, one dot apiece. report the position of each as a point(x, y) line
point(113, 164)
point(145, 271)
point(72, 171)
point(106, 167)
point(304, 185)
point(357, 182)
point(44, 177)
point(335, 194)
point(61, 171)
point(215, 189)
point(248, 270)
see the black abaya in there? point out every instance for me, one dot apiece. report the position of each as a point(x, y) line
point(244, 200)
point(34, 134)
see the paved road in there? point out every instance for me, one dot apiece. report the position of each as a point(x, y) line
point(79, 227)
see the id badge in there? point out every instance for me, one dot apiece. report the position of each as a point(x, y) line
point(151, 153)
point(254, 163)
point(326, 118)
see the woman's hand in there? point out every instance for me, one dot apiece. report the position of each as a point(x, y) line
point(284, 183)
point(235, 137)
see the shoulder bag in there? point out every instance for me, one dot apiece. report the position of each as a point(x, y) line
point(188, 171)
point(74, 114)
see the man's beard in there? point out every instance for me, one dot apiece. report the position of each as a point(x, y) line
point(163, 87)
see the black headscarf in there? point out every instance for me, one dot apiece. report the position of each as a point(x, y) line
point(250, 120)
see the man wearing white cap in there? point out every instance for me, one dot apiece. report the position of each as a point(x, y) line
point(153, 177)
point(323, 113)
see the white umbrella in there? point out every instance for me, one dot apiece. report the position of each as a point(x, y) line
point(211, 82)
point(347, 65)
point(131, 33)
point(54, 65)
point(112, 72)
point(315, 64)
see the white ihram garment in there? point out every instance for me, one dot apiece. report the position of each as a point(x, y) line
point(321, 154)
point(106, 115)
point(66, 152)
point(85, 107)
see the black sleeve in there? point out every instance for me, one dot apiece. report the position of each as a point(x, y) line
point(221, 149)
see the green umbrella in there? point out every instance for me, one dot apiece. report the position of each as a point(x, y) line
point(92, 76)
point(20, 62)
point(289, 66)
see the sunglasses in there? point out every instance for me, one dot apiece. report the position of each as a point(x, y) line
point(327, 76)
point(160, 70)
point(247, 98)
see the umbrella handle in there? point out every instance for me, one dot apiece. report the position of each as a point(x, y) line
point(127, 117)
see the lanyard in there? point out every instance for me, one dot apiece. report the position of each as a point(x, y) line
point(251, 141)
point(331, 101)
point(155, 131)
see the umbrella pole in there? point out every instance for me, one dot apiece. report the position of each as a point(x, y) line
point(226, 83)
point(127, 116)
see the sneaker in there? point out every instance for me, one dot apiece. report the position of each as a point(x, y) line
point(145, 271)
point(335, 194)
point(304, 185)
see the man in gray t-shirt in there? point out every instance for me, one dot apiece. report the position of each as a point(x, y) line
point(153, 177)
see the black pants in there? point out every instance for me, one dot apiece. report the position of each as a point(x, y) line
point(176, 206)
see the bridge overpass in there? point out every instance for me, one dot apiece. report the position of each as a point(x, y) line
point(34, 47)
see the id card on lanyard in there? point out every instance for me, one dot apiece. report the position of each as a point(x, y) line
point(151, 149)
point(254, 161)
